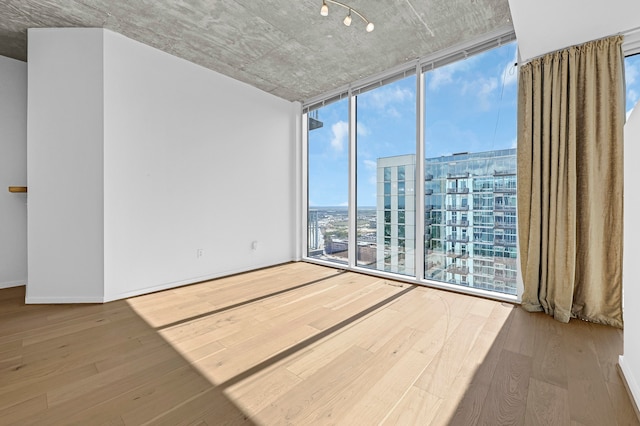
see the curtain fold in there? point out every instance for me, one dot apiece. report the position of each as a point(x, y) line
point(570, 182)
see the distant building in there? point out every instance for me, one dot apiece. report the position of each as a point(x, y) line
point(470, 218)
point(313, 231)
point(338, 248)
point(395, 207)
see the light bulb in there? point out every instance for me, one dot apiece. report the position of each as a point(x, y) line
point(347, 19)
point(370, 27)
point(324, 10)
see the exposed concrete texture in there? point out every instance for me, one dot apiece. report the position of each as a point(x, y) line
point(280, 46)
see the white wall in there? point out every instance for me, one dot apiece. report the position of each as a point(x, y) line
point(64, 157)
point(543, 26)
point(13, 172)
point(630, 362)
point(194, 160)
point(139, 161)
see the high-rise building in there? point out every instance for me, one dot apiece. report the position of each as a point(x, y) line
point(396, 214)
point(470, 218)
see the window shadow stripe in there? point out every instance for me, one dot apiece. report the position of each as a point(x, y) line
point(247, 302)
point(311, 340)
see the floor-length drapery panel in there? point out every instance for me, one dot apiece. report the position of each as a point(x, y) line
point(570, 140)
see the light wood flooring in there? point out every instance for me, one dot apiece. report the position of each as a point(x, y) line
point(304, 344)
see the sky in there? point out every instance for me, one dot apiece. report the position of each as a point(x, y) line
point(632, 80)
point(470, 106)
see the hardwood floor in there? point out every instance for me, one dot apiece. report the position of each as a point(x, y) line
point(304, 344)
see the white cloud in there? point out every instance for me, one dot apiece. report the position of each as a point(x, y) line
point(445, 75)
point(631, 74)
point(344, 204)
point(393, 112)
point(440, 77)
point(385, 96)
point(632, 96)
point(362, 129)
point(487, 86)
point(632, 78)
point(482, 88)
point(340, 131)
point(447, 137)
point(370, 164)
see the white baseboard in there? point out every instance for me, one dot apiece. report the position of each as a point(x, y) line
point(9, 284)
point(194, 280)
point(62, 300)
point(631, 384)
point(147, 290)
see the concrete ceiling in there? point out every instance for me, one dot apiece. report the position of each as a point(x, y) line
point(280, 46)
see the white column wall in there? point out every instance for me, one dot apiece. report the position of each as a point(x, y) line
point(630, 362)
point(13, 172)
point(64, 157)
point(198, 166)
point(147, 171)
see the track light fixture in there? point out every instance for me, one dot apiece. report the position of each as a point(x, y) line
point(324, 11)
point(347, 19)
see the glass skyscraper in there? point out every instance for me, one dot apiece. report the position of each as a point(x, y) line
point(470, 218)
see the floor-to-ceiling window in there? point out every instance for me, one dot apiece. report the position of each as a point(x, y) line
point(470, 171)
point(328, 182)
point(469, 159)
point(385, 158)
point(455, 227)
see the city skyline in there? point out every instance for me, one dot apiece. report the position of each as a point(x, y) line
point(470, 221)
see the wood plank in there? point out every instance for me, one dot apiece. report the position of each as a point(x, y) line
point(549, 358)
point(209, 407)
point(446, 364)
point(224, 365)
point(308, 362)
point(362, 302)
point(15, 414)
point(466, 395)
point(506, 400)
point(301, 343)
point(623, 406)
point(313, 394)
point(394, 370)
point(546, 404)
point(416, 407)
point(257, 392)
point(608, 347)
point(110, 382)
point(56, 380)
point(520, 340)
point(589, 402)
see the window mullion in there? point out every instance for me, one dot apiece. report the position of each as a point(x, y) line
point(352, 212)
point(303, 217)
point(419, 175)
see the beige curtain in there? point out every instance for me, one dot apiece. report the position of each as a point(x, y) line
point(570, 139)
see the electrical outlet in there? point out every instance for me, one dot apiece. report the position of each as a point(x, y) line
point(199, 253)
point(254, 245)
